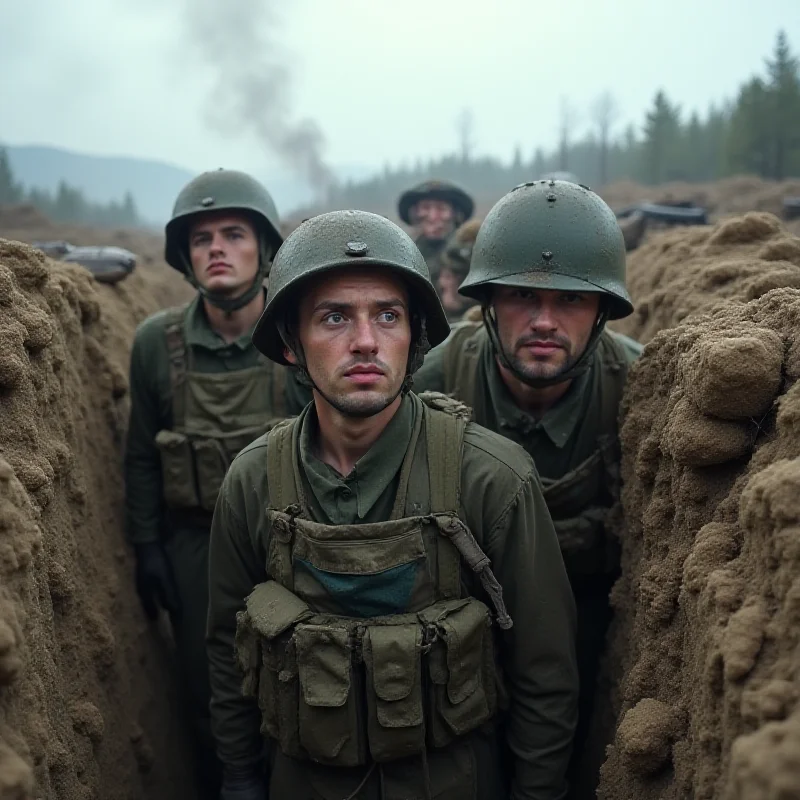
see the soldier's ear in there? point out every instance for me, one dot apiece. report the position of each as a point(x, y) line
point(289, 355)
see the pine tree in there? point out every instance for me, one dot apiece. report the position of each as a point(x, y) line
point(10, 190)
point(784, 112)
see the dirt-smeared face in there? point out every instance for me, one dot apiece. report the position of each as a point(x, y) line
point(435, 219)
point(223, 250)
point(544, 332)
point(355, 332)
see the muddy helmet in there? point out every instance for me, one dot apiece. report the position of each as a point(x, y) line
point(223, 190)
point(551, 234)
point(345, 239)
point(463, 204)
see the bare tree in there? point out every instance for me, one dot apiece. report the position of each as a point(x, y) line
point(465, 126)
point(605, 112)
point(568, 120)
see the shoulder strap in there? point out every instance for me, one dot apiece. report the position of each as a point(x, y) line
point(176, 350)
point(281, 478)
point(614, 363)
point(444, 434)
point(461, 361)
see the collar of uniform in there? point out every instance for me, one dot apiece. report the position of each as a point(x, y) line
point(199, 333)
point(373, 472)
point(558, 422)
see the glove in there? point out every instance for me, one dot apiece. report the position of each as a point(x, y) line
point(154, 582)
point(243, 784)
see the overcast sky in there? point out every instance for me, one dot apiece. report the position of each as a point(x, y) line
point(383, 79)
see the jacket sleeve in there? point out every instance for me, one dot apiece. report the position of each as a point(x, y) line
point(539, 650)
point(143, 489)
point(234, 569)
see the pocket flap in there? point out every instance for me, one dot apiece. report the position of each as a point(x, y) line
point(463, 633)
point(395, 651)
point(323, 661)
point(272, 609)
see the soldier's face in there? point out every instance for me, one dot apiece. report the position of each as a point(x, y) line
point(223, 249)
point(434, 218)
point(355, 332)
point(544, 332)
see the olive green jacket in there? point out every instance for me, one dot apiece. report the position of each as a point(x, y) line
point(151, 406)
point(501, 503)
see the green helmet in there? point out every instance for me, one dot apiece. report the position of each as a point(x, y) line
point(223, 190)
point(551, 234)
point(436, 190)
point(345, 239)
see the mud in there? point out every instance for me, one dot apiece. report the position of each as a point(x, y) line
point(707, 630)
point(88, 706)
point(689, 270)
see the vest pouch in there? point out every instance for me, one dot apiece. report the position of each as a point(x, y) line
point(395, 721)
point(178, 477)
point(331, 728)
point(267, 655)
point(211, 463)
point(461, 667)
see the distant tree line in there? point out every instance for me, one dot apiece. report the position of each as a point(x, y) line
point(756, 133)
point(66, 204)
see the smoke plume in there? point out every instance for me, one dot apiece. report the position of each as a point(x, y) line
point(252, 90)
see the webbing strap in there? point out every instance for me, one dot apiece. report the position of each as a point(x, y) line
point(445, 442)
point(176, 350)
point(282, 494)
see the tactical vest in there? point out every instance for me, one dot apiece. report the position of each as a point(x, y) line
point(364, 647)
point(581, 500)
point(214, 416)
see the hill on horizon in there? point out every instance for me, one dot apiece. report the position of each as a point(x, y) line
point(154, 184)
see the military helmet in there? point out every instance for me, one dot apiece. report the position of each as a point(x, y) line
point(219, 190)
point(457, 253)
point(551, 234)
point(463, 204)
point(345, 239)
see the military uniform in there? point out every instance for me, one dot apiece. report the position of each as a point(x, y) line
point(396, 626)
point(536, 237)
point(196, 401)
point(433, 250)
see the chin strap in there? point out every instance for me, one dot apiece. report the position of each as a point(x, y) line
point(578, 368)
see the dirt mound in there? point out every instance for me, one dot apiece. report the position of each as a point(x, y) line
point(87, 705)
point(687, 270)
point(707, 632)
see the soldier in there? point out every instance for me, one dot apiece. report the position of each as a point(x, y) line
point(369, 557)
point(548, 268)
point(199, 392)
point(435, 209)
point(454, 266)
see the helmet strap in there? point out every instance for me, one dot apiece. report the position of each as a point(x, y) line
point(578, 368)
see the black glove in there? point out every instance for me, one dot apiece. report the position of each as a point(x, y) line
point(154, 582)
point(243, 784)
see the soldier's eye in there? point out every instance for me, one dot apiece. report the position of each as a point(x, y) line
point(389, 316)
point(335, 318)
